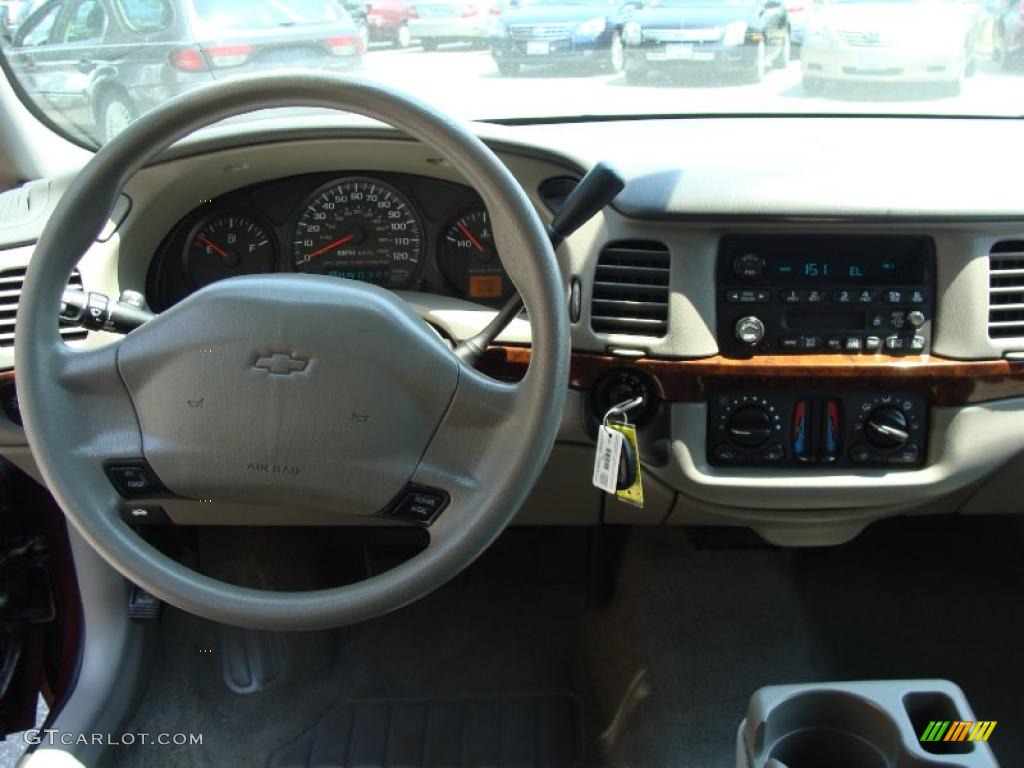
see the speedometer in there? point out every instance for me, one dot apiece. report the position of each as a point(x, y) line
point(361, 229)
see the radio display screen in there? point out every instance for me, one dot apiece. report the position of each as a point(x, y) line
point(835, 260)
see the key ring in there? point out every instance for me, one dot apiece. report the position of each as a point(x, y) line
point(622, 409)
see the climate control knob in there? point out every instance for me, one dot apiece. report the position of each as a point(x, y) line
point(886, 427)
point(750, 330)
point(750, 426)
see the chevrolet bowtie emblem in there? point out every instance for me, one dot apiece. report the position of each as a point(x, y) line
point(280, 364)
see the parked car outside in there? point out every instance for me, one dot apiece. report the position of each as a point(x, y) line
point(736, 36)
point(357, 10)
point(890, 41)
point(98, 64)
point(435, 22)
point(560, 32)
point(1007, 23)
point(388, 21)
point(796, 10)
point(13, 13)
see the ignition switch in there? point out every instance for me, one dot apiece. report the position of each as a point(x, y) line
point(624, 384)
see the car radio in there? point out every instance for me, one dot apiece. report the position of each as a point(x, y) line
point(811, 294)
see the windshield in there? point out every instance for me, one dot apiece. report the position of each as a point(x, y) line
point(90, 67)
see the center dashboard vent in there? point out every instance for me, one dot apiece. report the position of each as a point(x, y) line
point(1006, 290)
point(631, 288)
point(11, 281)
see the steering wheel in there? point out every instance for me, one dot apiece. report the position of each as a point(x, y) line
point(316, 391)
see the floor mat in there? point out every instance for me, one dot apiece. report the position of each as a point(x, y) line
point(521, 731)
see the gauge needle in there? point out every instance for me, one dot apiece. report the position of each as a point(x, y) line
point(330, 247)
point(204, 240)
point(465, 230)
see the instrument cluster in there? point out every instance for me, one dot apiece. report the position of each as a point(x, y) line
point(399, 231)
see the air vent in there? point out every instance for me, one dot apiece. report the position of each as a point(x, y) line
point(1006, 290)
point(631, 289)
point(11, 281)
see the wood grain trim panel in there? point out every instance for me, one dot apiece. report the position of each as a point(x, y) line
point(945, 382)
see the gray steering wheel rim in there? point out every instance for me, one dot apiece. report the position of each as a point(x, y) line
point(58, 416)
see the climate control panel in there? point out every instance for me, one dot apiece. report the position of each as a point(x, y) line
point(817, 429)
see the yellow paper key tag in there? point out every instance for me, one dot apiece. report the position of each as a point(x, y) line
point(634, 492)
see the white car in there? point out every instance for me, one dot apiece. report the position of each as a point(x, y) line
point(436, 22)
point(889, 41)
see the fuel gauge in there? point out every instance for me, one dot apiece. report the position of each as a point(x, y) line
point(227, 245)
point(468, 260)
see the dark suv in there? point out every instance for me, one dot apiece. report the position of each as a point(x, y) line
point(95, 65)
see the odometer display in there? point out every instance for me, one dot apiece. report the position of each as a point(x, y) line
point(361, 229)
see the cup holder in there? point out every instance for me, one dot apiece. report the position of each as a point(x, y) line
point(826, 727)
point(815, 747)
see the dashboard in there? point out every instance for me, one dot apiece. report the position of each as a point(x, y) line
point(813, 355)
point(400, 231)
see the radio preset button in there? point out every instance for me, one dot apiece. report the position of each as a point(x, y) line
point(842, 296)
point(893, 297)
point(815, 297)
point(865, 296)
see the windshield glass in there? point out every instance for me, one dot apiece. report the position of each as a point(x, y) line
point(90, 67)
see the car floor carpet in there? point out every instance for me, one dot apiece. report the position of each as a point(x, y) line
point(661, 674)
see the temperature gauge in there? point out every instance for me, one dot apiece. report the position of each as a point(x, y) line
point(468, 260)
point(227, 245)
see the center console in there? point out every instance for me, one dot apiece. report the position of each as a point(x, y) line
point(821, 295)
point(810, 294)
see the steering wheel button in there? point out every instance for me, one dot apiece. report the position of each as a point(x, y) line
point(421, 505)
point(134, 479)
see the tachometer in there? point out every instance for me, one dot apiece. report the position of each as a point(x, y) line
point(226, 245)
point(361, 229)
point(468, 260)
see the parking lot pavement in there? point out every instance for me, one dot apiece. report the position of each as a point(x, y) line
point(465, 82)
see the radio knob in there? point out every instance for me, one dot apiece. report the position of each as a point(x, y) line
point(886, 427)
point(750, 426)
point(748, 266)
point(915, 318)
point(749, 330)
